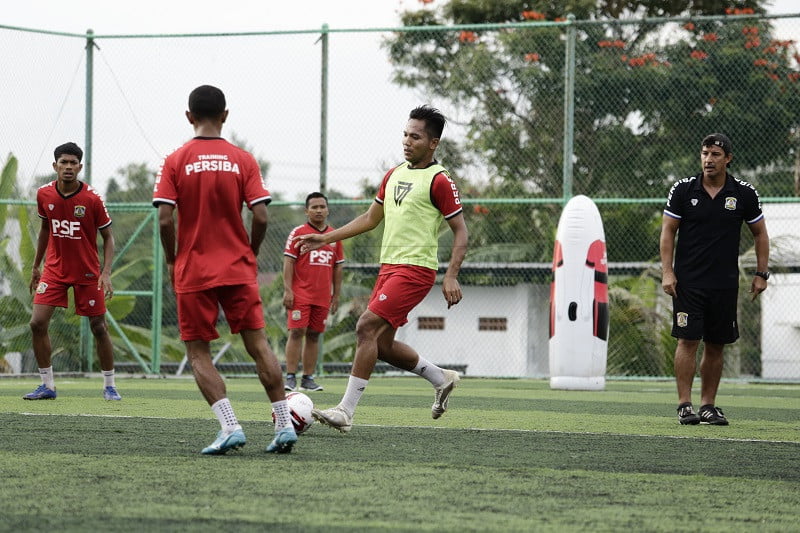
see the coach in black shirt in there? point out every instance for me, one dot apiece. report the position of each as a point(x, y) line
point(706, 211)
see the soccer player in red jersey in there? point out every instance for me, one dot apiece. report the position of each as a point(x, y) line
point(72, 213)
point(212, 261)
point(311, 285)
point(413, 200)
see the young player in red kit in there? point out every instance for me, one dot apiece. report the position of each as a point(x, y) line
point(212, 261)
point(311, 290)
point(72, 214)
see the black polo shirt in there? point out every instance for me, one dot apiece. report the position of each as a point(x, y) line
point(707, 251)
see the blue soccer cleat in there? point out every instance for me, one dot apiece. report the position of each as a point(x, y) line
point(225, 442)
point(283, 441)
point(41, 393)
point(110, 393)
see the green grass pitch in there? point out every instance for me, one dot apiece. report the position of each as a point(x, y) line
point(509, 455)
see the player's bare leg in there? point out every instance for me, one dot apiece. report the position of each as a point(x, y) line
point(267, 367)
point(205, 374)
point(294, 349)
point(685, 368)
point(105, 352)
point(42, 350)
point(40, 323)
point(310, 356)
point(269, 373)
point(711, 366)
point(369, 329)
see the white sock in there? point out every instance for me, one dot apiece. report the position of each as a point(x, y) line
point(227, 418)
point(355, 388)
point(108, 378)
point(429, 371)
point(283, 417)
point(47, 377)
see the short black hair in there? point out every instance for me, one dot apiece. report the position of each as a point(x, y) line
point(718, 139)
point(206, 101)
point(69, 148)
point(434, 120)
point(315, 195)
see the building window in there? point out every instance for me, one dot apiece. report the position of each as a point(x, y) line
point(430, 322)
point(490, 323)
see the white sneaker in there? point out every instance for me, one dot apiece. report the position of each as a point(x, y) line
point(335, 417)
point(443, 393)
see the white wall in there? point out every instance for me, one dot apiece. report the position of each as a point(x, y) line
point(520, 351)
point(780, 319)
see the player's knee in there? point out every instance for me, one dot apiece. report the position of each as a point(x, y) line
point(39, 326)
point(98, 327)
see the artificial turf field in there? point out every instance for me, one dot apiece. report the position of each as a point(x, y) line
point(509, 455)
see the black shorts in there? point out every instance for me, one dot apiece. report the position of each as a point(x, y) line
point(707, 314)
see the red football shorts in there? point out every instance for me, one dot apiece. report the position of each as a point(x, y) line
point(398, 290)
point(198, 311)
point(89, 300)
point(307, 316)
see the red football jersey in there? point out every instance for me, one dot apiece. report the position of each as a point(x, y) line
point(208, 180)
point(313, 271)
point(74, 221)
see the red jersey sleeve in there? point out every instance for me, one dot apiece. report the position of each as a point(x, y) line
point(445, 195)
point(339, 250)
point(255, 191)
point(164, 190)
point(290, 248)
point(101, 216)
point(382, 190)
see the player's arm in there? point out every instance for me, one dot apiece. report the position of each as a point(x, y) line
point(288, 279)
point(338, 274)
point(41, 249)
point(761, 240)
point(666, 245)
point(258, 228)
point(104, 283)
point(166, 228)
point(361, 224)
point(450, 286)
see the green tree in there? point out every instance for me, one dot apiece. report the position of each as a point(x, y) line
point(645, 94)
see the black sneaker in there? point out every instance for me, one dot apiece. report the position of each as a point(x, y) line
point(686, 414)
point(712, 415)
point(290, 383)
point(308, 383)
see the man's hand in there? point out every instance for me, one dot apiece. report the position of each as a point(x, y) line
point(452, 291)
point(758, 286)
point(104, 284)
point(36, 275)
point(309, 242)
point(669, 283)
point(288, 299)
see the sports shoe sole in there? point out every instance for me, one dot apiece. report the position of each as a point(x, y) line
point(440, 404)
point(232, 442)
point(282, 443)
point(322, 418)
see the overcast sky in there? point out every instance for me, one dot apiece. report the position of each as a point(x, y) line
point(295, 165)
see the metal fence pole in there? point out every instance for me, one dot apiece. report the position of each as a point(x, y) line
point(569, 107)
point(157, 299)
point(323, 119)
point(85, 341)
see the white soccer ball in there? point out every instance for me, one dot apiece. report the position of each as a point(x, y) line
point(300, 407)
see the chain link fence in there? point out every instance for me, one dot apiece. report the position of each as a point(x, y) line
point(629, 101)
